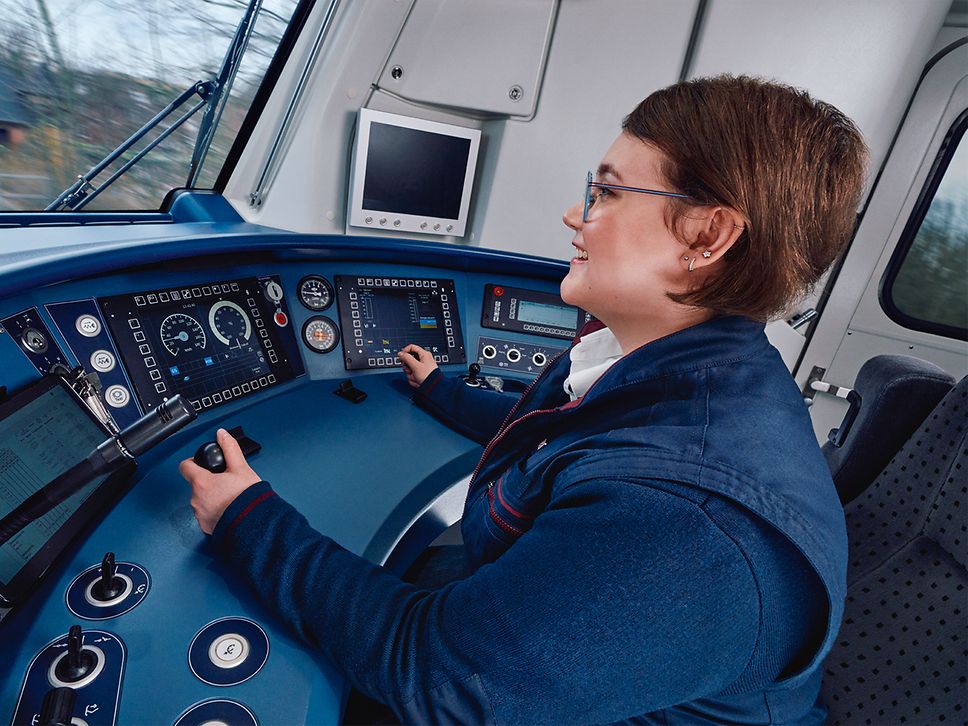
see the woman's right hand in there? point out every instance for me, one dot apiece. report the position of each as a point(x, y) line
point(417, 364)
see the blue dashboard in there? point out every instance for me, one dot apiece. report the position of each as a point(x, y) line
point(82, 288)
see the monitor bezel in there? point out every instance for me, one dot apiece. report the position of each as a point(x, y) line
point(31, 575)
point(396, 221)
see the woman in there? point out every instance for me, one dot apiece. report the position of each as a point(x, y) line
point(652, 534)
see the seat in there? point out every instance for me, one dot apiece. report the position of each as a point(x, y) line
point(901, 651)
point(896, 393)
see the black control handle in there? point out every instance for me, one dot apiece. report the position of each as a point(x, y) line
point(58, 707)
point(210, 455)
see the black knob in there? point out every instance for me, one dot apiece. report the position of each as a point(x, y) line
point(108, 586)
point(209, 456)
point(473, 371)
point(58, 707)
point(79, 660)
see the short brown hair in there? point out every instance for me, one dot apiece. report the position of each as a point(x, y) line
point(793, 166)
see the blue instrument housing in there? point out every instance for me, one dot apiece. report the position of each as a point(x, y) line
point(341, 464)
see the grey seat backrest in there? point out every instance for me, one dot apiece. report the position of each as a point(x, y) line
point(896, 393)
point(901, 653)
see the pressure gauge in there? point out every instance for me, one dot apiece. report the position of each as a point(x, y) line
point(320, 334)
point(315, 292)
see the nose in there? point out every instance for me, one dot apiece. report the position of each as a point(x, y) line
point(572, 216)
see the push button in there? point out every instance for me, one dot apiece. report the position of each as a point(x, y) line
point(88, 326)
point(229, 650)
point(117, 396)
point(102, 360)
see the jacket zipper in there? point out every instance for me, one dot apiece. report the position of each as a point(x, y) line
point(501, 430)
point(496, 517)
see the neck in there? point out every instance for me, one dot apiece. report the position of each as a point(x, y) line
point(634, 332)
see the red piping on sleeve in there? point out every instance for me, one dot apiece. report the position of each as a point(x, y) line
point(252, 505)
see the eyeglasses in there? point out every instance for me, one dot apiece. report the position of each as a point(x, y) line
point(590, 198)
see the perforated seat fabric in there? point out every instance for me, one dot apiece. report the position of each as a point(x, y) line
point(897, 392)
point(901, 654)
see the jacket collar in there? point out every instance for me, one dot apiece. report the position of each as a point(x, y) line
point(715, 342)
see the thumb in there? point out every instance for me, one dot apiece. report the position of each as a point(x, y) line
point(234, 458)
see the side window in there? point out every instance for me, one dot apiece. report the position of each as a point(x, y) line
point(926, 287)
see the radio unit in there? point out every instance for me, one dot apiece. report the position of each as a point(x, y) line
point(530, 311)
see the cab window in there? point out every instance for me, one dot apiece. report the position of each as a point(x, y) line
point(925, 286)
point(77, 79)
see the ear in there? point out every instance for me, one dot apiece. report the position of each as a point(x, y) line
point(716, 230)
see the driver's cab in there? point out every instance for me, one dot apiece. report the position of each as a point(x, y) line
point(255, 205)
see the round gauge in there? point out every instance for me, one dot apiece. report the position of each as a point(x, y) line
point(229, 323)
point(320, 334)
point(315, 292)
point(181, 333)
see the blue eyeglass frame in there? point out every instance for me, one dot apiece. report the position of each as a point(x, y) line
point(590, 182)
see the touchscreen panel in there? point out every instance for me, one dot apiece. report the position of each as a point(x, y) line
point(43, 431)
point(211, 343)
point(380, 315)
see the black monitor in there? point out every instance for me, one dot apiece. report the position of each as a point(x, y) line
point(411, 175)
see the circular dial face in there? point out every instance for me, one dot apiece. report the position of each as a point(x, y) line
point(320, 334)
point(181, 333)
point(230, 323)
point(315, 292)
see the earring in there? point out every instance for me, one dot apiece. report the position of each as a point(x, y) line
point(685, 257)
point(707, 254)
point(691, 263)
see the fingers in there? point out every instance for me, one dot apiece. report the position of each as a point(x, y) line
point(189, 469)
point(234, 458)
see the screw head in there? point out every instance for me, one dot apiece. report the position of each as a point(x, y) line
point(396, 73)
point(516, 93)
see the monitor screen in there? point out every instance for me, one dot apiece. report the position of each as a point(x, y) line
point(414, 172)
point(44, 431)
point(379, 316)
point(211, 343)
point(411, 175)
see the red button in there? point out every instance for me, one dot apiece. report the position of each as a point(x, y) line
point(281, 319)
point(498, 291)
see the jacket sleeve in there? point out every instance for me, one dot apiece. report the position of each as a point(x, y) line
point(622, 599)
point(474, 412)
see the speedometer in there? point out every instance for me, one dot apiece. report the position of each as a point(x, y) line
point(320, 334)
point(181, 333)
point(229, 323)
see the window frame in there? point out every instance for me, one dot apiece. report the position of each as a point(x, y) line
point(952, 140)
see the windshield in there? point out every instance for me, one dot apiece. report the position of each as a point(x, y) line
point(79, 77)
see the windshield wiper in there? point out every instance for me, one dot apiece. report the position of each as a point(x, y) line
point(211, 93)
point(223, 84)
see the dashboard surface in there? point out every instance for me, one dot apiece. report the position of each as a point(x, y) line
point(340, 463)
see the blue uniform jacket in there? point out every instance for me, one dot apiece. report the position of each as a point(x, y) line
point(668, 548)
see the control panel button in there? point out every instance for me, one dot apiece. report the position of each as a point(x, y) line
point(34, 340)
point(274, 291)
point(513, 355)
point(88, 326)
point(102, 360)
point(229, 650)
point(281, 319)
point(117, 396)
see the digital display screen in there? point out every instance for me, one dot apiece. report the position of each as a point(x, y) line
point(39, 440)
point(544, 314)
point(380, 316)
point(211, 343)
point(410, 171)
